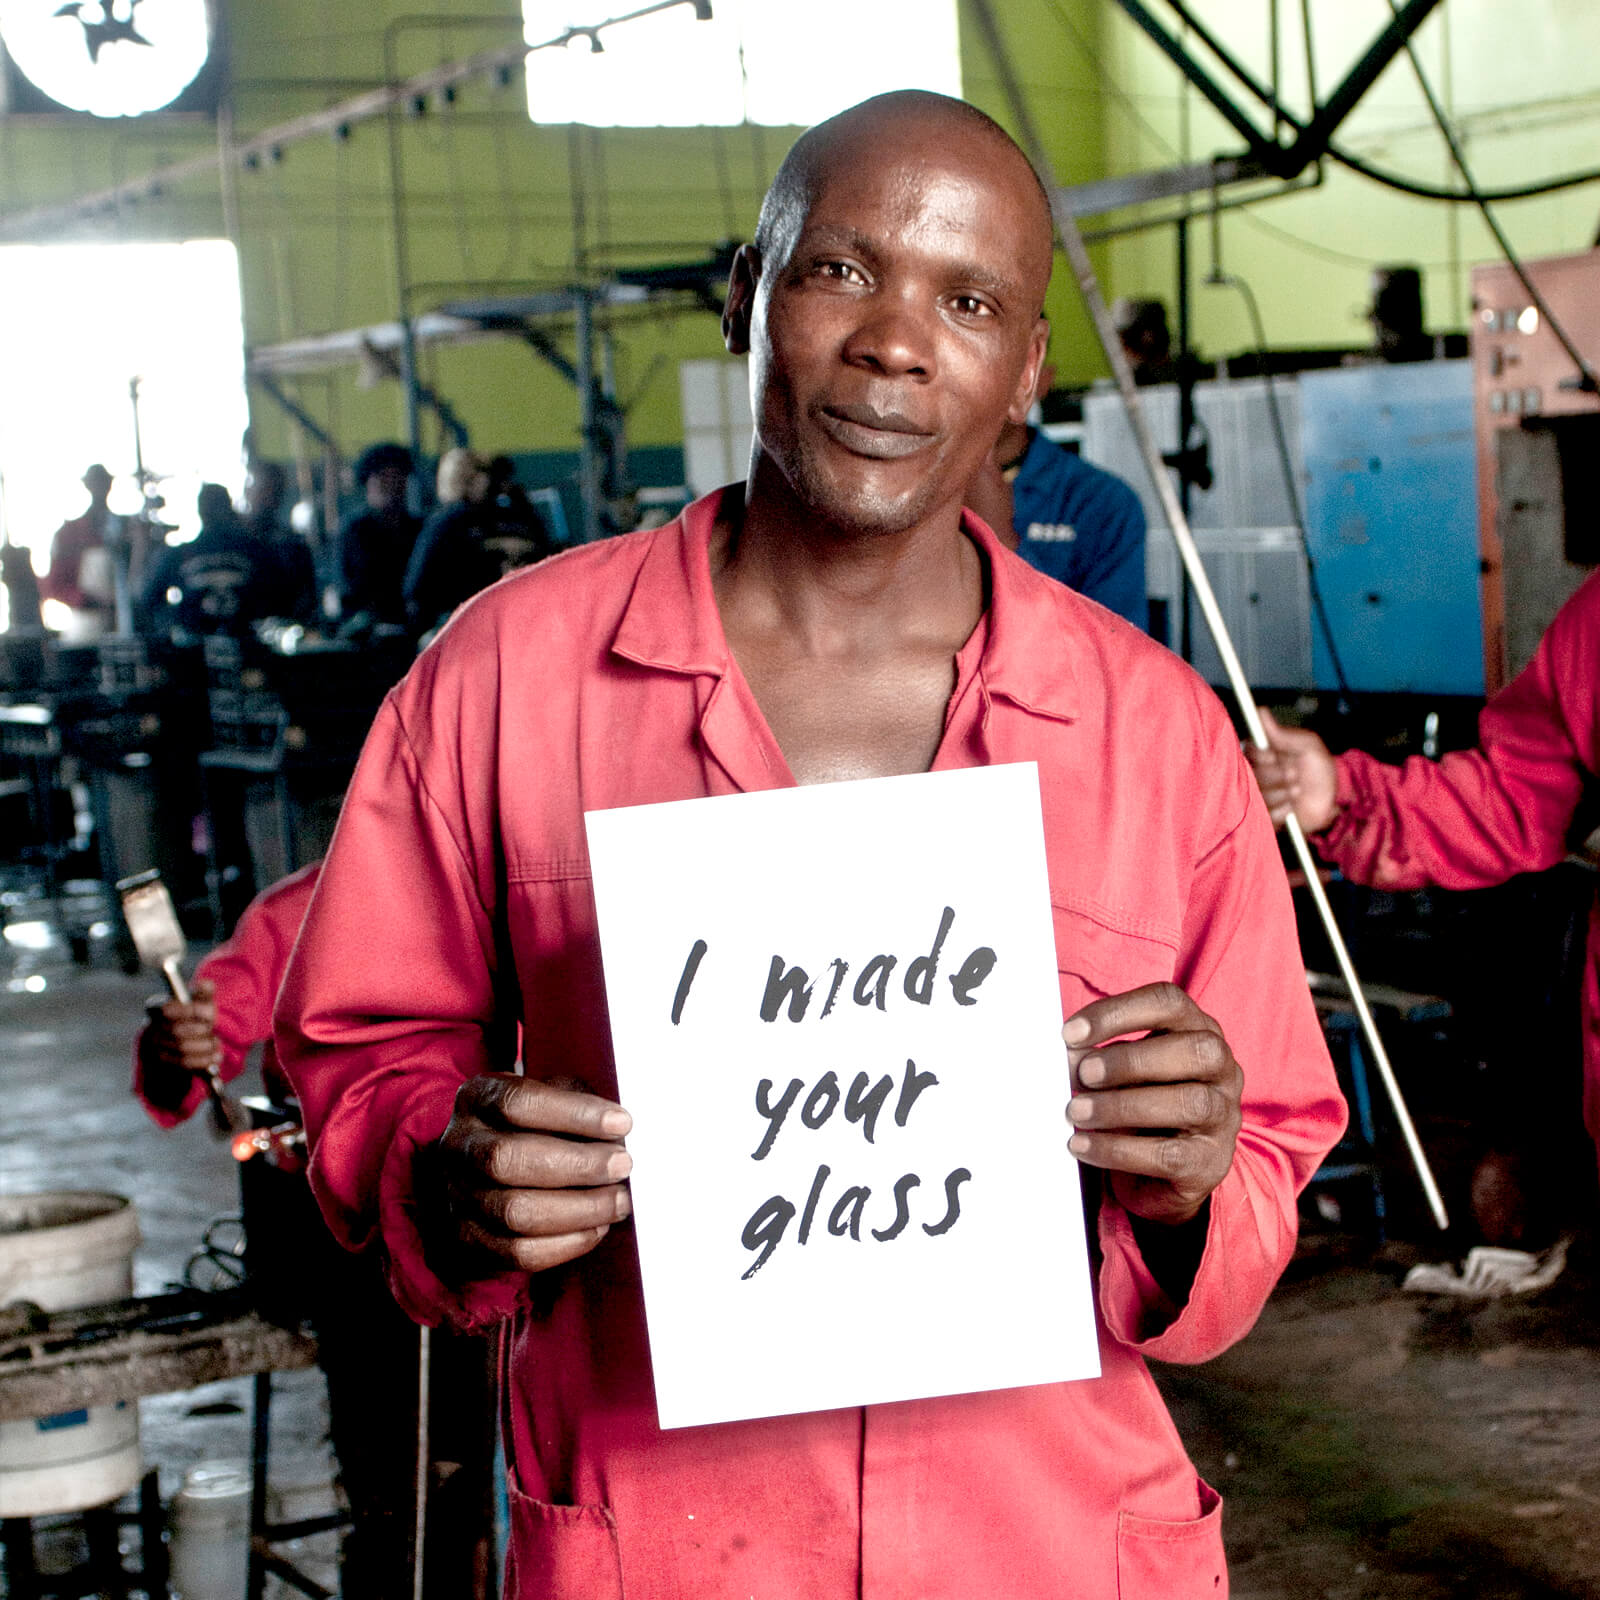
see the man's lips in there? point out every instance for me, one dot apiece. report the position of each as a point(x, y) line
point(880, 435)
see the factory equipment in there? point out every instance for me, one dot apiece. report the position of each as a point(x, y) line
point(1534, 453)
point(1382, 458)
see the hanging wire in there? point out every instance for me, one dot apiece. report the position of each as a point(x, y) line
point(1587, 382)
point(1280, 438)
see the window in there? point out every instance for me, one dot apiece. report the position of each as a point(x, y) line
point(82, 321)
point(765, 61)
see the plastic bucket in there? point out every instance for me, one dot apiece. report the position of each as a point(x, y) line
point(61, 1250)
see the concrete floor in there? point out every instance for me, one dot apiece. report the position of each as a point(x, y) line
point(1369, 1443)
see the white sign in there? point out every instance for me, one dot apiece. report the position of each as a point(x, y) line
point(836, 1016)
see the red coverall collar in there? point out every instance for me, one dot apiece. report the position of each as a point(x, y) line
point(672, 624)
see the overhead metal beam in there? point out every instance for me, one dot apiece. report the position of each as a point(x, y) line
point(1314, 135)
point(293, 408)
point(1313, 141)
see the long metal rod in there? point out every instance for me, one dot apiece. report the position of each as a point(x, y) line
point(424, 1464)
point(1078, 256)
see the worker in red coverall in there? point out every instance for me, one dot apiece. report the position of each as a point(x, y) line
point(1474, 817)
point(366, 1346)
point(835, 617)
point(80, 575)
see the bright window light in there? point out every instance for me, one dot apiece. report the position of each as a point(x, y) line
point(82, 320)
point(765, 61)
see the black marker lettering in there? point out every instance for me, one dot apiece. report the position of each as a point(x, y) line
point(852, 1200)
point(919, 975)
point(883, 966)
point(764, 1230)
point(952, 1204)
point(858, 1105)
point(792, 983)
point(973, 971)
point(826, 1094)
point(690, 968)
point(902, 1211)
point(773, 1113)
point(912, 1086)
point(839, 969)
point(811, 1203)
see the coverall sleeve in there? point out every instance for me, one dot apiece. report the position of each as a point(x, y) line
point(390, 1001)
point(1240, 962)
point(246, 969)
point(1477, 817)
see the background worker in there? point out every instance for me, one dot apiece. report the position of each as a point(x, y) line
point(1065, 517)
point(366, 1347)
point(1469, 820)
point(483, 529)
point(375, 542)
point(80, 574)
point(223, 580)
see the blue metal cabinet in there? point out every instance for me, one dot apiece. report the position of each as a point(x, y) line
point(1392, 513)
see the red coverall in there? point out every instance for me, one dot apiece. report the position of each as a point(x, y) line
point(71, 543)
point(456, 901)
point(1477, 817)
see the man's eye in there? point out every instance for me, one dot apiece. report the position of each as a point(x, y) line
point(840, 271)
point(969, 305)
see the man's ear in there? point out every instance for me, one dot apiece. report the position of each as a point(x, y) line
point(740, 304)
point(1022, 397)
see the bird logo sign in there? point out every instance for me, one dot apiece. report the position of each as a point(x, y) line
point(112, 58)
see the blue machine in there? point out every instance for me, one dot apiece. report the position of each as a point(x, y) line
point(1392, 514)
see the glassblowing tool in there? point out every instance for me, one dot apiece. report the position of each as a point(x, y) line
point(157, 936)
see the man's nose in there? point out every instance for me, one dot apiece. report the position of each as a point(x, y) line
point(895, 337)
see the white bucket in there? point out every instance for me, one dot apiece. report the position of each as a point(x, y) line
point(211, 1532)
point(61, 1250)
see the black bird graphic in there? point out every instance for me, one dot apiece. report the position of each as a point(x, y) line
point(108, 29)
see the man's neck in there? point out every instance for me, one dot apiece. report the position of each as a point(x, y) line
point(779, 568)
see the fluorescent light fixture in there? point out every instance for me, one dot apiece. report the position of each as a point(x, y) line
point(114, 58)
point(763, 61)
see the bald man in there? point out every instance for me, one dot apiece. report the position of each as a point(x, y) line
point(836, 616)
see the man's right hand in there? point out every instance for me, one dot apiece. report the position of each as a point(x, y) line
point(1295, 773)
point(533, 1171)
point(180, 1045)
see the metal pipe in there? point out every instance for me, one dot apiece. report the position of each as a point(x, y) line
point(588, 419)
point(1078, 255)
point(419, 1536)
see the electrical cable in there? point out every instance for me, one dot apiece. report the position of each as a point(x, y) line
point(1588, 382)
point(1217, 278)
point(1479, 197)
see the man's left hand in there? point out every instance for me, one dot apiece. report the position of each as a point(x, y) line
point(1160, 1113)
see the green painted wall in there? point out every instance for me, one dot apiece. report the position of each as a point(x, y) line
point(1521, 82)
point(491, 203)
point(492, 200)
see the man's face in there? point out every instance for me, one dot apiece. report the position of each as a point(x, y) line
point(386, 489)
point(903, 327)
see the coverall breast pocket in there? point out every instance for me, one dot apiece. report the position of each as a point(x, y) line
point(561, 1552)
point(1095, 960)
point(1173, 1560)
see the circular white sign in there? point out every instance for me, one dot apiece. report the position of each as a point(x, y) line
point(114, 58)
